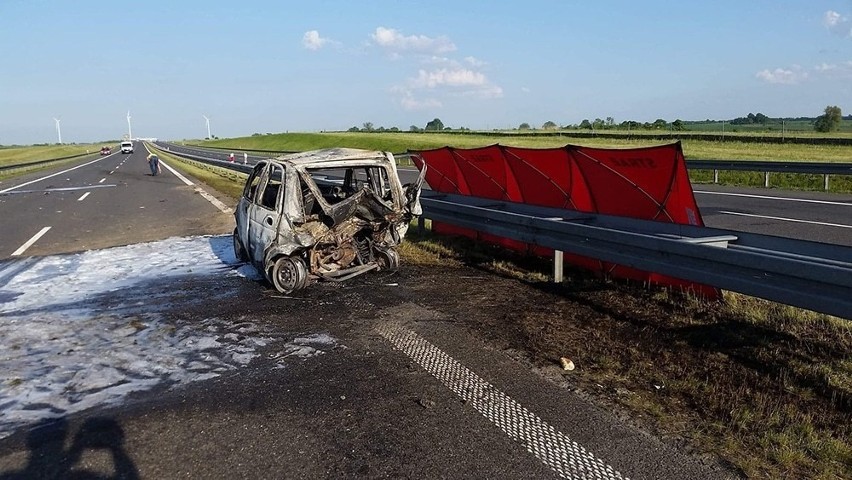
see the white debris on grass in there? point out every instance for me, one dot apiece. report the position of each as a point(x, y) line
point(61, 351)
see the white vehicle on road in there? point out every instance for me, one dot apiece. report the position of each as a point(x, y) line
point(126, 147)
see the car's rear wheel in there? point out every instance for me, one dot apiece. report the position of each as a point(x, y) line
point(239, 251)
point(388, 259)
point(289, 274)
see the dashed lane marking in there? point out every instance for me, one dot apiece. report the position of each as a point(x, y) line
point(770, 197)
point(23, 248)
point(102, 180)
point(50, 176)
point(555, 449)
point(210, 198)
point(83, 197)
point(794, 220)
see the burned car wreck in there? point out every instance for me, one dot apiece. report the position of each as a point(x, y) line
point(323, 215)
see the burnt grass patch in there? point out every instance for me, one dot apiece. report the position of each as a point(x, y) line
point(764, 387)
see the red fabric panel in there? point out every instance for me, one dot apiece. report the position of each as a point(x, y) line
point(649, 183)
point(442, 175)
point(546, 177)
point(646, 183)
point(484, 170)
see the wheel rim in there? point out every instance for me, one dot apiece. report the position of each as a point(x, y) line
point(289, 274)
point(389, 259)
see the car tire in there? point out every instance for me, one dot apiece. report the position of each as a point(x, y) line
point(289, 274)
point(388, 259)
point(239, 251)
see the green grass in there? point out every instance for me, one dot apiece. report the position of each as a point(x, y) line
point(400, 142)
point(693, 150)
point(22, 155)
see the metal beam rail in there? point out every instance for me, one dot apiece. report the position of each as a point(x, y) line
point(45, 162)
point(811, 275)
point(766, 167)
point(804, 274)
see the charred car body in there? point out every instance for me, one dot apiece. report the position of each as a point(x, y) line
point(323, 215)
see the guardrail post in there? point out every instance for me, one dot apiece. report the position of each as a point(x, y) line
point(766, 179)
point(715, 175)
point(825, 182)
point(557, 266)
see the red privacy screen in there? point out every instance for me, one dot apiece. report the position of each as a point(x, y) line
point(649, 183)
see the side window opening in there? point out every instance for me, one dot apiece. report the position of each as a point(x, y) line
point(274, 185)
point(252, 183)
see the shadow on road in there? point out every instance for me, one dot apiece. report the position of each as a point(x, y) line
point(49, 459)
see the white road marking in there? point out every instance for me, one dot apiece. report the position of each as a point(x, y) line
point(176, 173)
point(769, 197)
point(565, 456)
point(61, 189)
point(102, 180)
point(795, 220)
point(83, 197)
point(30, 242)
point(49, 176)
point(210, 198)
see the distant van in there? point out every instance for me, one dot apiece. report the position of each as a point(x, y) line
point(126, 147)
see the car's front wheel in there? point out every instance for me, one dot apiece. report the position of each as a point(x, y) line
point(289, 274)
point(239, 251)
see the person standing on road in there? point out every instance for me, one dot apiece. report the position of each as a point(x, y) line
point(154, 164)
point(245, 158)
point(231, 157)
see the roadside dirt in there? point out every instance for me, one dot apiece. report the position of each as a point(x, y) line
point(771, 397)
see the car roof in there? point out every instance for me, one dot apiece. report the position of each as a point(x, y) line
point(333, 155)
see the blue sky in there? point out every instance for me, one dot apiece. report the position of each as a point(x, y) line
point(274, 66)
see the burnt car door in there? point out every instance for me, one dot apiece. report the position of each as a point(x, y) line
point(264, 212)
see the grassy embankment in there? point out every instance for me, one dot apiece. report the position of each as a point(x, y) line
point(766, 386)
point(26, 155)
point(693, 150)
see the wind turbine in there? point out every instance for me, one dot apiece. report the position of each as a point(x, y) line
point(209, 137)
point(58, 130)
point(129, 130)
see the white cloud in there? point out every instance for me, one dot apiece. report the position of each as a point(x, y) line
point(475, 62)
point(312, 40)
point(793, 76)
point(456, 77)
point(441, 76)
point(525, 89)
point(392, 39)
point(837, 23)
point(411, 103)
point(843, 70)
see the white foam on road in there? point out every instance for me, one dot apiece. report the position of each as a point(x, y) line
point(62, 351)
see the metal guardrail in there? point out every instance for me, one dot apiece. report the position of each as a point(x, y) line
point(44, 162)
point(812, 168)
point(811, 275)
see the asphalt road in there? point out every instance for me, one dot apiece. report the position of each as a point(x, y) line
point(406, 393)
point(98, 202)
point(815, 216)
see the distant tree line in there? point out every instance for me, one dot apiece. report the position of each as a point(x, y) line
point(435, 125)
point(828, 122)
